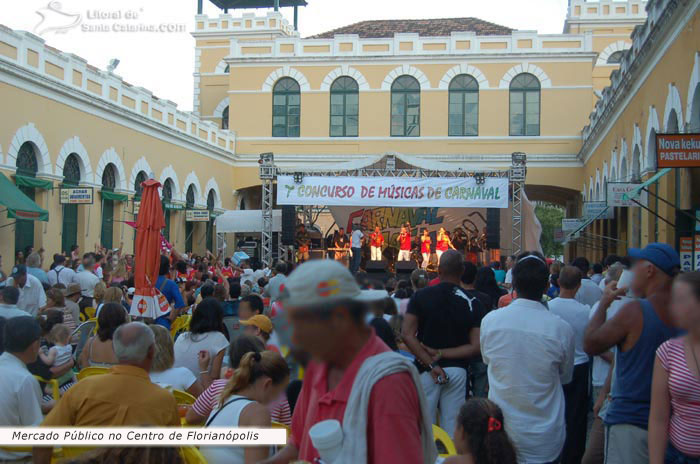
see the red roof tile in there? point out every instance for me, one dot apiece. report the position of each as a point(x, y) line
point(425, 27)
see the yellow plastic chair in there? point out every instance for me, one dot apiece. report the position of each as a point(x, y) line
point(55, 390)
point(279, 425)
point(75, 451)
point(192, 455)
point(90, 312)
point(443, 442)
point(182, 397)
point(91, 370)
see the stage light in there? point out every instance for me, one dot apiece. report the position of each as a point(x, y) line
point(480, 178)
point(298, 177)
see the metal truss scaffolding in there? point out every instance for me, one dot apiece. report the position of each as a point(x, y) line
point(387, 167)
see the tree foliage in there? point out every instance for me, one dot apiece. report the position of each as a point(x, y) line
point(550, 217)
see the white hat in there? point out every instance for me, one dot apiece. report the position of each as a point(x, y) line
point(324, 281)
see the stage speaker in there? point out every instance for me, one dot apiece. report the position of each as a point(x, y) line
point(289, 224)
point(404, 268)
point(375, 267)
point(493, 228)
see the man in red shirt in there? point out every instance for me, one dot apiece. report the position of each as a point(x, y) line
point(404, 245)
point(376, 243)
point(327, 310)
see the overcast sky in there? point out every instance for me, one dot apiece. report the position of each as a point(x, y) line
point(164, 62)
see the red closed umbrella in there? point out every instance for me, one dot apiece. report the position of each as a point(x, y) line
point(149, 224)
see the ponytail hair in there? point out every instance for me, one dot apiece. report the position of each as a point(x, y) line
point(482, 422)
point(253, 366)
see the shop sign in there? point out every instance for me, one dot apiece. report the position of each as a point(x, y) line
point(76, 196)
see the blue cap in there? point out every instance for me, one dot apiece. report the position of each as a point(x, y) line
point(660, 255)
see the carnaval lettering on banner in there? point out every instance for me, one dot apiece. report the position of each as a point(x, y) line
point(616, 190)
point(455, 192)
point(76, 196)
point(678, 150)
point(197, 215)
point(686, 253)
point(696, 257)
point(597, 210)
point(571, 224)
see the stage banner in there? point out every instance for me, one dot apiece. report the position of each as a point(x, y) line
point(452, 192)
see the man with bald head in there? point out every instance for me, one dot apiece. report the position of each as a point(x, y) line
point(441, 328)
point(124, 396)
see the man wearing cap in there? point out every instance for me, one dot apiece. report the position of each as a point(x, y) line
point(260, 326)
point(637, 330)
point(31, 292)
point(386, 415)
point(60, 274)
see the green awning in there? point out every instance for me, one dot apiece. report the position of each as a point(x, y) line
point(107, 195)
point(19, 205)
point(633, 194)
point(33, 182)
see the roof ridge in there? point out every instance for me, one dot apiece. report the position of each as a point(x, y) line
point(425, 27)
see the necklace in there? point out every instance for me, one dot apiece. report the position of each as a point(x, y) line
point(692, 350)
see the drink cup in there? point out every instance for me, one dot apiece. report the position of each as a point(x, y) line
point(327, 438)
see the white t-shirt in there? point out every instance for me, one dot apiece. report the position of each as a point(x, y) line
point(178, 378)
point(188, 345)
point(589, 293)
point(87, 281)
point(509, 276)
point(600, 366)
point(31, 296)
point(62, 274)
point(576, 315)
point(355, 241)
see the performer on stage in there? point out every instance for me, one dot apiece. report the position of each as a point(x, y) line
point(376, 242)
point(425, 242)
point(404, 240)
point(342, 242)
point(303, 243)
point(483, 240)
point(443, 243)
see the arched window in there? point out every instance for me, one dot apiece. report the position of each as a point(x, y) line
point(109, 178)
point(224, 119)
point(109, 182)
point(286, 108)
point(345, 107)
point(71, 170)
point(405, 107)
point(189, 226)
point(525, 105)
point(464, 106)
point(71, 178)
point(27, 166)
point(211, 201)
point(167, 198)
point(616, 57)
point(141, 177)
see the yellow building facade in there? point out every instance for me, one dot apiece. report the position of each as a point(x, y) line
point(463, 93)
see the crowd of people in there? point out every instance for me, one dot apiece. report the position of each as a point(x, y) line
point(540, 362)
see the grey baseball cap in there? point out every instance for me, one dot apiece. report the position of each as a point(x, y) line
point(324, 281)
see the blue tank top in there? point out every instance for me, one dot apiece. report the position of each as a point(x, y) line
point(631, 391)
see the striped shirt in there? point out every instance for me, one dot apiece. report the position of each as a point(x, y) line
point(209, 400)
point(684, 388)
